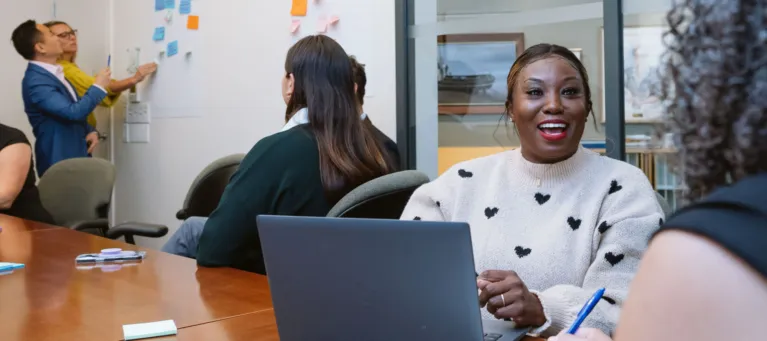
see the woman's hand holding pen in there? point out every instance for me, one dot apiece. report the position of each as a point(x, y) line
point(506, 297)
point(103, 78)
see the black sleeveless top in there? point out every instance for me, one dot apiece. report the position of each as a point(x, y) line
point(27, 204)
point(734, 217)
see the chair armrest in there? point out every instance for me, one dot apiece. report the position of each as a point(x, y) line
point(131, 229)
point(101, 225)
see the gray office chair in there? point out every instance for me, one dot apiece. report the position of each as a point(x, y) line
point(664, 205)
point(381, 198)
point(78, 193)
point(206, 190)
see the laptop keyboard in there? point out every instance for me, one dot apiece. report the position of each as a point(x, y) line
point(492, 337)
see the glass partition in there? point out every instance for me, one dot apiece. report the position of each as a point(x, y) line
point(644, 24)
point(462, 54)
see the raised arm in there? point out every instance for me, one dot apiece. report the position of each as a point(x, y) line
point(14, 167)
point(629, 217)
point(56, 103)
point(118, 86)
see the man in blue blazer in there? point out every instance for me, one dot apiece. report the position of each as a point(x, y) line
point(57, 114)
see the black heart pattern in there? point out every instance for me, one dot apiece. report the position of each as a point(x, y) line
point(609, 300)
point(439, 204)
point(613, 258)
point(603, 227)
point(464, 173)
point(574, 223)
point(417, 218)
point(491, 212)
point(614, 187)
point(541, 198)
point(521, 251)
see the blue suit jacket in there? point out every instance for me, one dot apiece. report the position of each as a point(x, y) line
point(59, 123)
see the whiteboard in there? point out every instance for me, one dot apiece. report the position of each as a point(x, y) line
point(238, 54)
point(176, 84)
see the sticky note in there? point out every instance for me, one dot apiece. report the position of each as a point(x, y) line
point(169, 17)
point(322, 25)
point(185, 7)
point(159, 5)
point(10, 266)
point(173, 48)
point(170, 4)
point(294, 25)
point(333, 20)
point(299, 8)
point(149, 330)
point(159, 34)
point(193, 22)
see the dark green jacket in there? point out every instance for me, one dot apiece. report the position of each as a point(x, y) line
point(279, 176)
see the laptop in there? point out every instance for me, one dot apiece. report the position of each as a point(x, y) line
point(373, 279)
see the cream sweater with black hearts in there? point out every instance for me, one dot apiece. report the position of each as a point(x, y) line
point(567, 229)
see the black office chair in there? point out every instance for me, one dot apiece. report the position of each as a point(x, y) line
point(207, 188)
point(78, 193)
point(381, 198)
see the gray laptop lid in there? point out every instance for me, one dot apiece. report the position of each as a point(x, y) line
point(365, 279)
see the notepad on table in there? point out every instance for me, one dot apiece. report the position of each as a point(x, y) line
point(147, 330)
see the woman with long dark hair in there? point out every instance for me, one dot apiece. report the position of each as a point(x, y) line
point(323, 152)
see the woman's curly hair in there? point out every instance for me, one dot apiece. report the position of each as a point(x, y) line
point(715, 90)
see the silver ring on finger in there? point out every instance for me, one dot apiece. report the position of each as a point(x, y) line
point(503, 299)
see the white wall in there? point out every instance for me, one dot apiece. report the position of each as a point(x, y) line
point(242, 48)
point(12, 14)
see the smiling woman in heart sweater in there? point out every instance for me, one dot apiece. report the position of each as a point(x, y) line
point(551, 222)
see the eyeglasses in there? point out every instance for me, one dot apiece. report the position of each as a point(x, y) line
point(66, 35)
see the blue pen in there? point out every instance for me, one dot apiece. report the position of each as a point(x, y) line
point(109, 61)
point(586, 310)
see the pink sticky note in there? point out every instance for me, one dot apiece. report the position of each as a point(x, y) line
point(322, 25)
point(333, 20)
point(294, 25)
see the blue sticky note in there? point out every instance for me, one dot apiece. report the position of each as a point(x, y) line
point(159, 5)
point(159, 34)
point(185, 7)
point(170, 4)
point(173, 48)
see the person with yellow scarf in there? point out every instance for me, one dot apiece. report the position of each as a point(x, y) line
point(81, 80)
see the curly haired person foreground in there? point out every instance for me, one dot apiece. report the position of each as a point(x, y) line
point(704, 276)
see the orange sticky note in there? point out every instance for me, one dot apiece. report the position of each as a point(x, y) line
point(193, 22)
point(295, 25)
point(333, 20)
point(299, 8)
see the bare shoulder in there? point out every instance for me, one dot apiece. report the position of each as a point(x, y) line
point(690, 288)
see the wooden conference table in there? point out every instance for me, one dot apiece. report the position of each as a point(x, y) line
point(52, 299)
